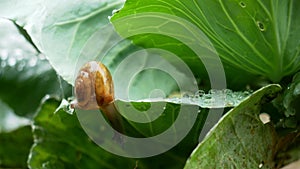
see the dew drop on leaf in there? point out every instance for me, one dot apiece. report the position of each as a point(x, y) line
point(4, 54)
point(213, 99)
point(21, 66)
point(261, 26)
point(186, 95)
point(41, 56)
point(3, 64)
point(200, 93)
point(12, 61)
point(242, 4)
point(18, 54)
point(32, 62)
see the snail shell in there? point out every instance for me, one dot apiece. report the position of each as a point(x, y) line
point(93, 87)
point(94, 90)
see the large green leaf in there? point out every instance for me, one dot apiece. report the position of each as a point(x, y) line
point(260, 37)
point(292, 97)
point(15, 138)
point(14, 147)
point(9, 120)
point(60, 142)
point(61, 29)
point(25, 76)
point(291, 153)
point(240, 139)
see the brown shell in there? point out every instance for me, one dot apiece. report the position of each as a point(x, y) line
point(93, 87)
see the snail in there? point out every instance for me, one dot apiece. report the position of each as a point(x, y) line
point(94, 90)
point(93, 87)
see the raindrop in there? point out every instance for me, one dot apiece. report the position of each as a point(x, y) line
point(42, 57)
point(261, 165)
point(199, 93)
point(18, 54)
point(213, 99)
point(115, 11)
point(32, 62)
point(212, 91)
point(12, 61)
point(187, 98)
point(3, 64)
point(207, 97)
point(242, 4)
point(4, 54)
point(261, 26)
point(21, 66)
point(227, 91)
point(185, 95)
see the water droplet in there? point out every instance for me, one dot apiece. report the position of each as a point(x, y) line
point(3, 64)
point(213, 99)
point(261, 26)
point(212, 91)
point(32, 61)
point(185, 95)
point(4, 54)
point(20, 68)
point(18, 54)
point(199, 93)
point(42, 56)
point(115, 11)
point(242, 4)
point(12, 61)
point(207, 97)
